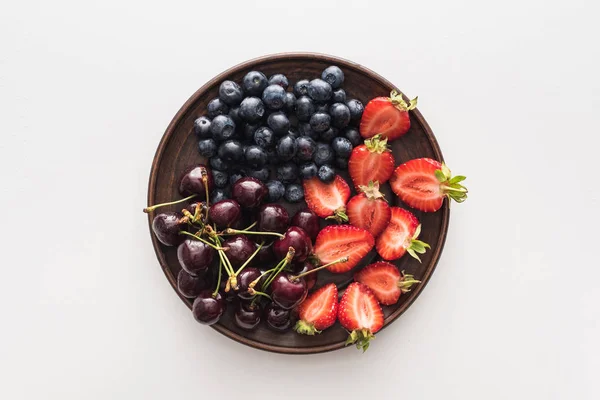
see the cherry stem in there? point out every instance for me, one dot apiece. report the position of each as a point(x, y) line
point(154, 207)
point(249, 259)
point(287, 259)
point(204, 174)
point(250, 227)
point(341, 260)
point(200, 239)
point(221, 253)
point(218, 279)
point(230, 231)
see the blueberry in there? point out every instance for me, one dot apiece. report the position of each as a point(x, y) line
point(276, 191)
point(319, 90)
point(329, 134)
point(279, 79)
point(202, 127)
point(305, 108)
point(289, 102)
point(272, 156)
point(305, 130)
point(286, 148)
point(262, 174)
point(287, 172)
point(218, 164)
point(341, 163)
point(339, 96)
point(308, 170)
point(323, 154)
point(279, 123)
point(254, 83)
point(274, 97)
point(326, 173)
point(306, 148)
point(231, 93)
point(220, 178)
point(320, 122)
point(218, 195)
point(264, 137)
point(222, 128)
point(342, 147)
point(207, 148)
point(294, 193)
point(340, 115)
point(236, 176)
point(301, 88)
point(334, 76)
point(356, 109)
point(252, 109)
point(256, 156)
point(231, 151)
point(353, 136)
point(249, 130)
point(234, 114)
point(217, 107)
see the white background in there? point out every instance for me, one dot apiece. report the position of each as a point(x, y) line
point(511, 90)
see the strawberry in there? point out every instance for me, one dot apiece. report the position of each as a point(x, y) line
point(360, 314)
point(372, 161)
point(369, 210)
point(387, 116)
point(423, 184)
point(337, 241)
point(318, 311)
point(385, 281)
point(400, 236)
point(327, 200)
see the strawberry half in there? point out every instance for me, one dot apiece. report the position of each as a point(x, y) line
point(372, 161)
point(385, 281)
point(327, 200)
point(360, 313)
point(337, 241)
point(369, 210)
point(423, 184)
point(387, 116)
point(318, 311)
point(400, 236)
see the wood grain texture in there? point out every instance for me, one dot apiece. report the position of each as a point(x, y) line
point(178, 149)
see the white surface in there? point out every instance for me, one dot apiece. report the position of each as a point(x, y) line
point(511, 89)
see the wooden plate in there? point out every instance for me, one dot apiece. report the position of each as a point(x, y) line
point(178, 149)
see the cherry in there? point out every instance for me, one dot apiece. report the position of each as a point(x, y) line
point(247, 316)
point(192, 181)
point(195, 256)
point(244, 279)
point(190, 286)
point(208, 308)
point(298, 239)
point(307, 220)
point(287, 291)
point(265, 255)
point(166, 227)
point(225, 213)
point(240, 248)
point(272, 218)
point(306, 266)
point(277, 318)
point(249, 192)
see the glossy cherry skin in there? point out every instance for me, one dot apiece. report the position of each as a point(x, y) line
point(307, 220)
point(166, 227)
point(272, 218)
point(249, 192)
point(195, 256)
point(277, 318)
point(208, 309)
point(298, 239)
point(288, 292)
point(240, 249)
point(311, 279)
point(225, 214)
point(191, 181)
point(265, 255)
point(247, 317)
point(190, 286)
point(244, 279)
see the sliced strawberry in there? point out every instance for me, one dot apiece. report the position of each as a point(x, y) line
point(423, 184)
point(337, 241)
point(385, 281)
point(360, 313)
point(387, 116)
point(327, 200)
point(371, 162)
point(318, 311)
point(369, 210)
point(400, 236)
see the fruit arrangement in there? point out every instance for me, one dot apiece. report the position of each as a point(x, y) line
point(266, 143)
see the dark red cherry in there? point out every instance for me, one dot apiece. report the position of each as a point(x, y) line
point(265, 256)
point(288, 292)
point(225, 213)
point(208, 309)
point(298, 239)
point(249, 192)
point(240, 248)
point(192, 207)
point(307, 220)
point(191, 181)
point(166, 227)
point(244, 279)
point(195, 256)
point(306, 266)
point(247, 316)
point(277, 318)
point(272, 218)
point(190, 286)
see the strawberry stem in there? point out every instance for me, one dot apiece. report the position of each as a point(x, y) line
point(341, 260)
point(417, 246)
point(154, 207)
point(360, 337)
point(305, 328)
point(406, 282)
point(339, 215)
point(399, 102)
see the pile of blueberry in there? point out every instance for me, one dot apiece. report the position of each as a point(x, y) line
point(262, 130)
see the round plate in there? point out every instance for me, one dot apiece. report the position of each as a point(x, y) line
point(178, 149)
